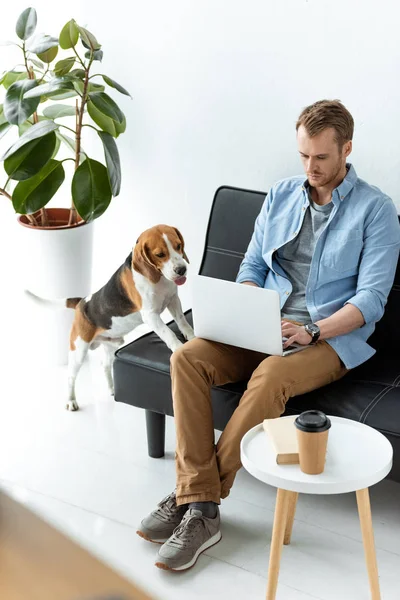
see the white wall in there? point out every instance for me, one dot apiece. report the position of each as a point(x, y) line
point(217, 87)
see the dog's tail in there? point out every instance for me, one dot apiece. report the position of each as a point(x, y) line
point(52, 304)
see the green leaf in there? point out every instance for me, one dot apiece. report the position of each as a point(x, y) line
point(4, 128)
point(79, 73)
point(107, 106)
point(36, 131)
point(13, 76)
point(104, 122)
point(37, 63)
point(32, 157)
point(89, 39)
point(97, 54)
point(91, 190)
point(69, 35)
point(49, 55)
point(92, 87)
point(65, 139)
point(56, 111)
point(27, 125)
point(63, 95)
point(41, 43)
point(16, 107)
point(112, 161)
point(55, 85)
point(26, 23)
point(116, 85)
point(95, 87)
point(78, 86)
point(70, 144)
point(62, 67)
point(34, 193)
point(57, 146)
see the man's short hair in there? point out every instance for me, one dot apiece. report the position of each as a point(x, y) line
point(328, 113)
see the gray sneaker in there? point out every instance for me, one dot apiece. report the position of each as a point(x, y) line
point(159, 525)
point(194, 535)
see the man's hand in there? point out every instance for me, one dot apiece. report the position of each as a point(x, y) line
point(295, 333)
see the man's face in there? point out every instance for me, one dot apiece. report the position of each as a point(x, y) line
point(320, 155)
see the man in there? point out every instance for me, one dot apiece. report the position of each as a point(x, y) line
point(329, 245)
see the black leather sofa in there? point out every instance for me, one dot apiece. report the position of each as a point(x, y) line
point(370, 393)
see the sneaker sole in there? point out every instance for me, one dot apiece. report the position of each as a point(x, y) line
point(211, 542)
point(148, 539)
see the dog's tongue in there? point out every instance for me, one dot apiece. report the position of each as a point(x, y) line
point(180, 280)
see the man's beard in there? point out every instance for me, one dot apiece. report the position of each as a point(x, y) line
point(327, 179)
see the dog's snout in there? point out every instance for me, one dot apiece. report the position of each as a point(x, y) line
point(180, 271)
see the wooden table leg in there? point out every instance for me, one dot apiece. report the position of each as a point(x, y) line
point(290, 516)
point(278, 532)
point(364, 511)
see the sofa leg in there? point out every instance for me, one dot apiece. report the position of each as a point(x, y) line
point(155, 424)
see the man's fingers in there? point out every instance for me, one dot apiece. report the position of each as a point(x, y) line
point(289, 330)
point(290, 341)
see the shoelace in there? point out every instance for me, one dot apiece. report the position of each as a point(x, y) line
point(186, 530)
point(166, 508)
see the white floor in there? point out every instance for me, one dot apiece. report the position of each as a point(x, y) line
point(89, 474)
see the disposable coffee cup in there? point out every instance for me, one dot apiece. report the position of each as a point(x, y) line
point(312, 427)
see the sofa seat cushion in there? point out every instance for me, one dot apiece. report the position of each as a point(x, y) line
point(370, 393)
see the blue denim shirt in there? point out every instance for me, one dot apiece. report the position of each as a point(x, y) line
point(354, 259)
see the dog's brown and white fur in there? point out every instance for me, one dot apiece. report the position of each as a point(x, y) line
point(138, 292)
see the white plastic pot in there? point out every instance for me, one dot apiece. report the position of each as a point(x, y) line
point(57, 265)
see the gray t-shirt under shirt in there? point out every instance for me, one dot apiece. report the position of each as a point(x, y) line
point(295, 259)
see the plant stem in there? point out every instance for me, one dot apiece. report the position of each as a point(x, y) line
point(30, 218)
point(6, 194)
point(31, 75)
point(25, 59)
point(79, 111)
point(88, 125)
point(44, 75)
point(69, 128)
point(79, 58)
point(72, 215)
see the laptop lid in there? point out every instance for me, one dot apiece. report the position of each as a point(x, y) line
point(240, 315)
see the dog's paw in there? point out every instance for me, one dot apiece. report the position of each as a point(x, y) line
point(72, 405)
point(188, 333)
point(175, 346)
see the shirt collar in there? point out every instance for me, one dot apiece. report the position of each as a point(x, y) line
point(348, 182)
point(344, 188)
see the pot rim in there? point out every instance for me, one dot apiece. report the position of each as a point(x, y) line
point(60, 215)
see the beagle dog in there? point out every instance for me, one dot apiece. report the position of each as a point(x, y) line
point(138, 292)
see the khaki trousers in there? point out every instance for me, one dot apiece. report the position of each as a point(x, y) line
point(206, 471)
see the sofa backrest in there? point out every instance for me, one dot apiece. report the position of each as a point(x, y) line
point(230, 228)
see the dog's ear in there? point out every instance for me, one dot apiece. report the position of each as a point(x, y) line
point(142, 262)
point(180, 236)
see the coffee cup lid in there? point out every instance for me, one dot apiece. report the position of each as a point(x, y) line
point(312, 421)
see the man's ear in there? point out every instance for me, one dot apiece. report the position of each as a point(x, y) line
point(141, 262)
point(180, 236)
point(348, 148)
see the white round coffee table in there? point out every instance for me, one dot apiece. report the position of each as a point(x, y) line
point(357, 457)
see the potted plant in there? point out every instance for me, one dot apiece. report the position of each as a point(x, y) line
point(42, 96)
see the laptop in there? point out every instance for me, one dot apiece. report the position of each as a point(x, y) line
point(239, 315)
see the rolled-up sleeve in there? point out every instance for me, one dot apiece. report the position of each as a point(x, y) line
point(253, 267)
point(378, 263)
